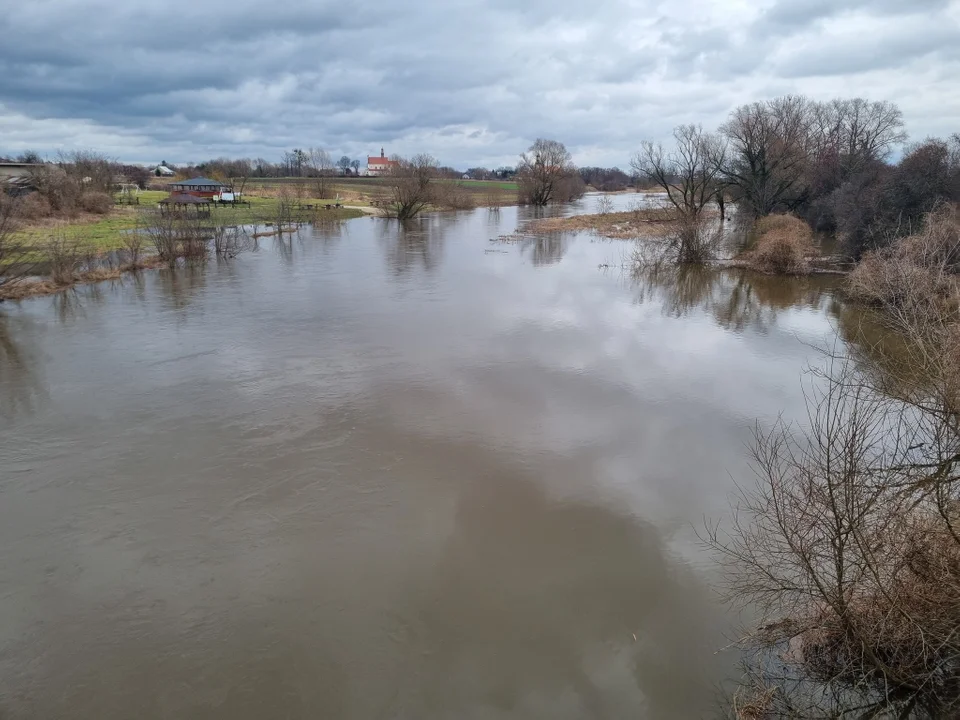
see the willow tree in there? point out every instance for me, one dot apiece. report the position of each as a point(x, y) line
point(543, 172)
point(411, 186)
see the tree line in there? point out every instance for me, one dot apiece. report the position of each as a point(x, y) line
point(826, 162)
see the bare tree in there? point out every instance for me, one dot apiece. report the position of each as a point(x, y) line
point(849, 545)
point(411, 186)
point(855, 132)
point(91, 171)
point(355, 164)
point(15, 252)
point(541, 171)
point(344, 164)
point(689, 173)
point(320, 168)
point(769, 154)
point(228, 242)
point(240, 172)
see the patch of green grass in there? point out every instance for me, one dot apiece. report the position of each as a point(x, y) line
point(106, 233)
point(506, 185)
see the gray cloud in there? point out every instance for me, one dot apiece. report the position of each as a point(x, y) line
point(470, 81)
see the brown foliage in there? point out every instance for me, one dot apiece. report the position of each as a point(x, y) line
point(35, 207)
point(99, 203)
point(65, 255)
point(916, 277)
point(452, 196)
point(783, 245)
point(16, 254)
point(179, 235)
point(412, 187)
point(849, 544)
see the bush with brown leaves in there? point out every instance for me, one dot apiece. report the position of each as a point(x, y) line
point(783, 246)
point(917, 277)
point(98, 203)
point(34, 207)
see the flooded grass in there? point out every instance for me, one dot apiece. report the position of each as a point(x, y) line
point(624, 225)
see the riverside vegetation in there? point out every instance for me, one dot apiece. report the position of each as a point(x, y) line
point(848, 543)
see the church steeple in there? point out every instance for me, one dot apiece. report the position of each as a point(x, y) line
point(381, 153)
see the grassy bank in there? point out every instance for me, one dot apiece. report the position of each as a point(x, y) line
point(105, 232)
point(364, 191)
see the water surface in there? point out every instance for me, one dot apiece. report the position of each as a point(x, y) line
point(382, 473)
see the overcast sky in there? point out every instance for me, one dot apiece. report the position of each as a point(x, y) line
point(472, 82)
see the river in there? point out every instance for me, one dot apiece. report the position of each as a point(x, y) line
point(379, 473)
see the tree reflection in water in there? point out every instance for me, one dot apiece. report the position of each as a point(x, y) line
point(546, 249)
point(413, 243)
point(20, 387)
point(737, 299)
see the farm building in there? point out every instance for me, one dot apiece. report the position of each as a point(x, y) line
point(377, 166)
point(199, 187)
point(17, 178)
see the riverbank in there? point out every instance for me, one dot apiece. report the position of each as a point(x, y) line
point(39, 286)
point(105, 233)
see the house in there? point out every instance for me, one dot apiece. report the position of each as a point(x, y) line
point(16, 178)
point(162, 170)
point(199, 187)
point(377, 166)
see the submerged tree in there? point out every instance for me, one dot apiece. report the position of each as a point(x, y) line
point(689, 173)
point(411, 186)
point(544, 173)
point(769, 152)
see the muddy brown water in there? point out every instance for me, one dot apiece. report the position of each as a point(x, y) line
point(383, 473)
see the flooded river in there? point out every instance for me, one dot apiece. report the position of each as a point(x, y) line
point(373, 473)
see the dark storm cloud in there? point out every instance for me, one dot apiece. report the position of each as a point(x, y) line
point(471, 81)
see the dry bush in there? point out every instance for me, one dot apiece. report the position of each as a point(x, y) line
point(89, 170)
point(35, 207)
point(849, 548)
point(65, 255)
point(16, 254)
point(452, 196)
point(287, 201)
point(493, 200)
point(680, 241)
point(231, 241)
point(179, 235)
point(695, 241)
point(849, 544)
point(58, 188)
point(916, 277)
point(783, 246)
point(99, 203)
point(604, 205)
point(133, 247)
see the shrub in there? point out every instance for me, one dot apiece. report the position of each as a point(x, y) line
point(452, 196)
point(65, 254)
point(783, 244)
point(98, 203)
point(916, 276)
point(34, 207)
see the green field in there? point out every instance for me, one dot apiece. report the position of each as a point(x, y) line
point(106, 233)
